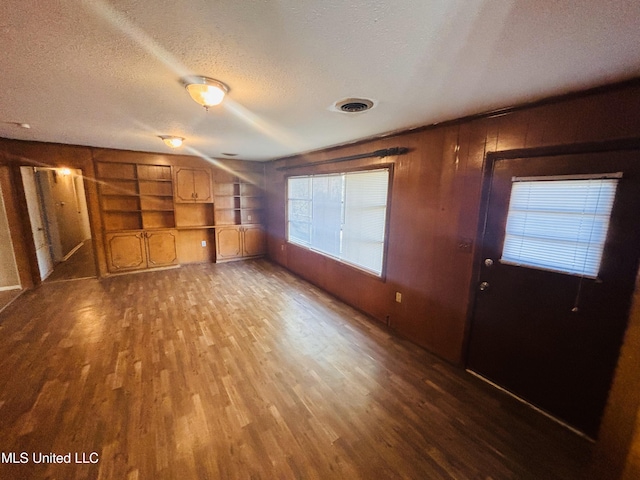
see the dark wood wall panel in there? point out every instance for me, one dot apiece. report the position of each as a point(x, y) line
point(435, 207)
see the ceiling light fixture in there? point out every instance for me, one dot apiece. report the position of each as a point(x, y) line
point(205, 91)
point(171, 141)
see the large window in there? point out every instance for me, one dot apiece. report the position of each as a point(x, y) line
point(559, 224)
point(342, 215)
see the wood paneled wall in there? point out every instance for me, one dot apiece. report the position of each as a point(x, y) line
point(16, 153)
point(435, 207)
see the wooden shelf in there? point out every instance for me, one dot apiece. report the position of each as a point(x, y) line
point(237, 202)
point(194, 214)
point(195, 227)
point(135, 196)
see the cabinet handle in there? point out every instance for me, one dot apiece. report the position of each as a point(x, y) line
point(196, 194)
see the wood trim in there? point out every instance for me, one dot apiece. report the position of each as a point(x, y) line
point(487, 168)
point(23, 246)
point(383, 153)
point(567, 149)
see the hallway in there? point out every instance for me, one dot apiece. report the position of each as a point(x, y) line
point(80, 265)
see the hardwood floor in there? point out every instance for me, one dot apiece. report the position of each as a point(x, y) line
point(8, 296)
point(80, 265)
point(241, 370)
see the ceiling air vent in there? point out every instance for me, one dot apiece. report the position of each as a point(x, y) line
point(354, 105)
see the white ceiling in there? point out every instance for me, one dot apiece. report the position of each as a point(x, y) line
point(107, 73)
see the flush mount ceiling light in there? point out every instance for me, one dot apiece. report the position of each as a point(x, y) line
point(171, 141)
point(205, 91)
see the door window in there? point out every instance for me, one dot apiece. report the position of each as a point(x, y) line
point(559, 223)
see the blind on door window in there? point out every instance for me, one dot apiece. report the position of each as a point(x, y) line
point(559, 224)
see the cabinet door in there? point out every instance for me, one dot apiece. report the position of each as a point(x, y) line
point(125, 251)
point(228, 243)
point(254, 241)
point(184, 185)
point(161, 248)
point(202, 186)
point(193, 185)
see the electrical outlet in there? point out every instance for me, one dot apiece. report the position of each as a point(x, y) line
point(398, 297)
point(204, 243)
point(249, 217)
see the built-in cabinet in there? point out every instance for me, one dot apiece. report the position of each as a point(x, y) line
point(194, 214)
point(235, 242)
point(138, 215)
point(135, 197)
point(163, 215)
point(193, 185)
point(135, 250)
point(238, 215)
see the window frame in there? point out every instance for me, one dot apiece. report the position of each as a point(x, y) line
point(385, 244)
point(550, 178)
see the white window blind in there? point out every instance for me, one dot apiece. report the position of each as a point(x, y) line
point(341, 215)
point(559, 224)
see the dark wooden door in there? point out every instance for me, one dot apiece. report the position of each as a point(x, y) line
point(553, 338)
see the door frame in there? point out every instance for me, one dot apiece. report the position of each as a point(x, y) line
point(21, 204)
point(487, 170)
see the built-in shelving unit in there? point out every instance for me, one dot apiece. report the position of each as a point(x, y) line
point(135, 197)
point(158, 215)
point(194, 213)
point(238, 200)
point(138, 216)
point(238, 215)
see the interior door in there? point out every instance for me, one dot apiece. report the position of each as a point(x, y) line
point(552, 337)
point(38, 222)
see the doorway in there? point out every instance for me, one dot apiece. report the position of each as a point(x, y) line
point(58, 214)
point(549, 320)
point(10, 286)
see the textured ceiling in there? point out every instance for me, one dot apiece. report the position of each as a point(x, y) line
point(107, 73)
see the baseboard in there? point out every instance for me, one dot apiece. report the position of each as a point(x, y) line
point(10, 287)
point(530, 405)
point(73, 250)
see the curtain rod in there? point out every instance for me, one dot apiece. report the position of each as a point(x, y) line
point(386, 152)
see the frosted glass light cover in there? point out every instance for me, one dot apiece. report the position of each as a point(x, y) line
point(206, 91)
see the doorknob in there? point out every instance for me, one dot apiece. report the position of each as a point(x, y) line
point(483, 286)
